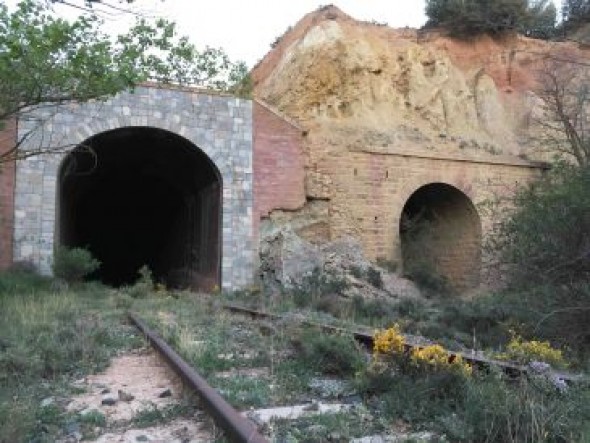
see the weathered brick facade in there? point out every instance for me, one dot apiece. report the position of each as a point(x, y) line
point(279, 173)
point(266, 164)
point(368, 189)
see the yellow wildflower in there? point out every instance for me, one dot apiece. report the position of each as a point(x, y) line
point(526, 351)
point(438, 358)
point(389, 341)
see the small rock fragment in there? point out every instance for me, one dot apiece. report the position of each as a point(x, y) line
point(125, 396)
point(142, 438)
point(109, 400)
point(47, 402)
point(313, 406)
point(88, 411)
point(165, 393)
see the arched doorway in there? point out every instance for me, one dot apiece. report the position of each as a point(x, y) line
point(143, 196)
point(440, 233)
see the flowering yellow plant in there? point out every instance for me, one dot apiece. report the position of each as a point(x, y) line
point(389, 341)
point(524, 351)
point(436, 357)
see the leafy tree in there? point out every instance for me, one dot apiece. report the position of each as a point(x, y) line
point(542, 20)
point(466, 18)
point(47, 61)
point(564, 126)
point(576, 11)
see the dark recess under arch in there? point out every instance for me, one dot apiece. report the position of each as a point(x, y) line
point(440, 233)
point(143, 196)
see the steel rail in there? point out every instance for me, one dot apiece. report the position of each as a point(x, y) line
point(366, 338)
point(236, 427)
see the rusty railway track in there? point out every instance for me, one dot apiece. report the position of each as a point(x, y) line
point(236, 427)
point(366, 338)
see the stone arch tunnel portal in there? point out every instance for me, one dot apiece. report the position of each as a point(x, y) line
point(143, 196)
point(440, 233)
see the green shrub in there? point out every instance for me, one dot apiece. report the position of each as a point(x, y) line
point(388, 265)
point(543, 247)
point(467, 18)
point(72, 265)
point(519, 411)
point(19, 282)
point(312, 287)
point(144, 284)
point(332, 304)
point(484, 407)
point(331, 354)
point(431, 282)
point(374, 278)
point(524, 352)
point(367, 310)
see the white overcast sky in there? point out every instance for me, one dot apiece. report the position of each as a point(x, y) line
point(246, 28)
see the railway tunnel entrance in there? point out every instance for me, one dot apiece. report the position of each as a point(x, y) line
point(440, 233)
point(140, 196)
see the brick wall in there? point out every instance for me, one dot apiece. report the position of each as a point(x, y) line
point(278, 164)
point(7, 178)
point(368, 188)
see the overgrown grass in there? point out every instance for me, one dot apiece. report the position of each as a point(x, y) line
point(152, 415)
point(47, 338)
point(329, 354)
point(337, 427)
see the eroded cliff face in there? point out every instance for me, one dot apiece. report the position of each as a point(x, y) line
point(389, 112)
point(357, 83)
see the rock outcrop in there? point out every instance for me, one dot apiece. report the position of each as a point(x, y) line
point(288, 260)
point(403, 88)
point(386, 112)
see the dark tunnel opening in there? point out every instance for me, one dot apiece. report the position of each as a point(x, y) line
point(440, 234)
point(143, 196)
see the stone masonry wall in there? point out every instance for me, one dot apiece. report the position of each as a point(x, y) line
point(220, 126)
point(7, 179)
point(279, 173)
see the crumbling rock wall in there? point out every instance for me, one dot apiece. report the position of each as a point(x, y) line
point(287, 260)
point(386, 111)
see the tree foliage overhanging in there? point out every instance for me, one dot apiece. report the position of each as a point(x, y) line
point(467, 18)
point(45, 59)
point(576, 11)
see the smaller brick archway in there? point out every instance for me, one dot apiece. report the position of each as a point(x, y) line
point(440, 233)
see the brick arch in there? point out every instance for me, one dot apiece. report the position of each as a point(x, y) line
point(219, 126)
point(440, 232)
point(411, 186)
